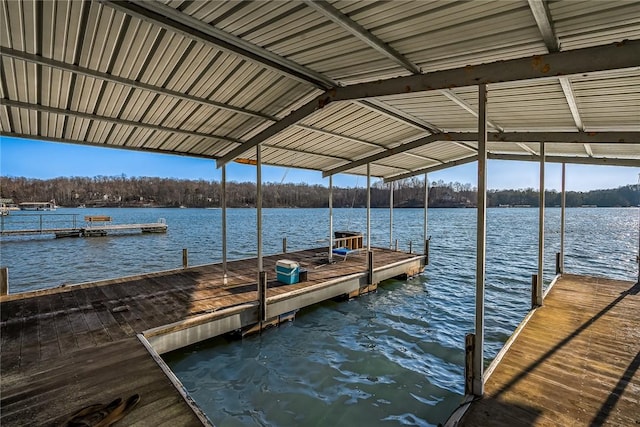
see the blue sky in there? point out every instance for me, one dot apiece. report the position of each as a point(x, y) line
point(43, 160)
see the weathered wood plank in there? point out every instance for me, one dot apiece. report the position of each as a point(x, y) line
point(577, 361)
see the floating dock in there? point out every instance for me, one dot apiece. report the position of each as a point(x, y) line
point(69, 347)
point(573, 362)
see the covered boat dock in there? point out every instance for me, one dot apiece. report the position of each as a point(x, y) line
point(380, 89)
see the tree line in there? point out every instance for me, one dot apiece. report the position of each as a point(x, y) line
point(123, 191)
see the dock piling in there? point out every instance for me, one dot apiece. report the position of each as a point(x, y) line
point(558, 263)
point(410, 246)
point(262, 295)
point(185, 258)
point(535, 291)
point(469, 348)
point(396, 248)
point(4, 281)
point(370, 266)
point(284, 245)
point(426, 250)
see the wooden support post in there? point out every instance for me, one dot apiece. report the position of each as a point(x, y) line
point(185, 258)
point(558, 263)
point(262, 295)
point(469, 349)
point(4, 281)
point(410, 246)
point(370, 266)
point(535, 285)
point(396, 248)
point(284, 245)
point(426, 251)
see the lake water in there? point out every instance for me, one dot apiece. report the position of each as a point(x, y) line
point(390, 358)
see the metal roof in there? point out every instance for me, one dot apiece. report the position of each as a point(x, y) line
point(327, 85)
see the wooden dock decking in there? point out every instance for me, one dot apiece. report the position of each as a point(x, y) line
point(66, 348)
point(575, 363)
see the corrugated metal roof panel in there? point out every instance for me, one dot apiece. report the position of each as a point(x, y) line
point(623, 151)
point(609, 102)
point(94, 36)
point(587, 23)
point(436, 109)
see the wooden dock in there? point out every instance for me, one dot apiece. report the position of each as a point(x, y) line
point(576, 361)
point(90, 230)
point(69, 347)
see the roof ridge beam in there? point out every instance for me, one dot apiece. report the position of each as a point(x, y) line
point(362, 33)
point(173, 19)
point(613, 56)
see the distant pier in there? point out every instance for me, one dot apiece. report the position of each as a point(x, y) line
point(93, 226)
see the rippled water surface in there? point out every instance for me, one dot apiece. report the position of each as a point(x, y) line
point(391, 358)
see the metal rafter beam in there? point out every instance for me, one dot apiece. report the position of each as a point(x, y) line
point(456, 99)
point(71, 68)
point(362, 33)
point(114, 120)
point(181, 23)
point(517, 138)
point(592, 59)
point(571, 100)
point(134, 124)
point(102, 145)
point(542, 15)
point(607, 161)
point(383, 154)
point(422, 171)
point(394, 113)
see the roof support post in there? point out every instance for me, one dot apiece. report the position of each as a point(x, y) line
point(330, 218)
point(426, 205)
point(563, 206)
point(259, 204)
point(224, 224)
point(391, 215)
point(541, 231)
point(478, 354)
point(368, 207)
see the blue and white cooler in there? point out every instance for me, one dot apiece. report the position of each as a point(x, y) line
point(287, 271)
